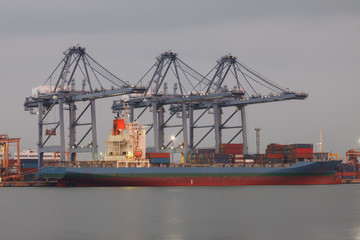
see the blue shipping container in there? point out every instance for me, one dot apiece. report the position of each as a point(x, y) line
point(302, 145)
point(23, 161)
point(160, 160)
point(223, 160)
point(29, 165)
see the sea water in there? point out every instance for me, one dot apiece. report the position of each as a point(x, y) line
point(174, 213)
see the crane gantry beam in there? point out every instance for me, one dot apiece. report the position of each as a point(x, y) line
point(203, 93)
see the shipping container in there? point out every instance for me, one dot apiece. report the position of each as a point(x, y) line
point(205, 150)
point(231, 151)
point(231, 146)
point(275, 156)
point(223, 160)
point(28, 161)
point(160, 160)
point(301, 145)
point(244, 161)
point(272, 161)
point(222, 156)
point(29, 165)
point(157, 155)
point(260, 160)
point(302, 150)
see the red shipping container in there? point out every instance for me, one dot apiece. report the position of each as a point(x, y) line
point(233, 151)
point(158, 155)
point(303, 150)
point(349, 173)
point(231, 146)
point(275, 156)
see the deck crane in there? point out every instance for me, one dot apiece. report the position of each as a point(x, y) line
point(97, 83)
point(199, 92)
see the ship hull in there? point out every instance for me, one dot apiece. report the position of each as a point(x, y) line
point(305, 173)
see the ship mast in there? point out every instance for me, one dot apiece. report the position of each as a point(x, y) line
point(320, 150)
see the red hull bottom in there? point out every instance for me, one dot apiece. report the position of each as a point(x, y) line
point(200, 181)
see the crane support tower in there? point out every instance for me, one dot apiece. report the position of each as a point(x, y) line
point(96, 82)
point(229, 85)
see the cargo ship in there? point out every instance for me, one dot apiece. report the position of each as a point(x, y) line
point(301, 173)
point(126, 164)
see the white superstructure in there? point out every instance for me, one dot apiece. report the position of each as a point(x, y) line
point(126, 144)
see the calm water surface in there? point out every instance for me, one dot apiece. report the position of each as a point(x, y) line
point(250, 212)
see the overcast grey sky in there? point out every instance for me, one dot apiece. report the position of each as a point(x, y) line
point(310, 46)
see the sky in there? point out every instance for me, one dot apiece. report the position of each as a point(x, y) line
point(306, 46)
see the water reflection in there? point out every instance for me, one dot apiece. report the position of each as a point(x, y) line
point(256, 212)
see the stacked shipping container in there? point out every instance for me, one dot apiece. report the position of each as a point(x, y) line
point(274, 153)
point(301, 152)
point(235, 149)
point(277, 153)
point(202, 156)
point(231, 148)
point(158, 157)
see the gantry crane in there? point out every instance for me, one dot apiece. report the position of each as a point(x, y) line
point(5, 144)
point(352, 156)
point(96, 83)
point(198, 92)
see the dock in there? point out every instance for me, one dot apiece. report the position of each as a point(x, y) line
point(28, 184)
point(350, 181)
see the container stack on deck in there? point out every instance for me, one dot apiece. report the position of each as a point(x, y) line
point(222, 158)
point(231, 148)
point(158, 158)
point(202, 155)
point(235, 149)
point(274, 153)
point(29, 165)
point(301, 152)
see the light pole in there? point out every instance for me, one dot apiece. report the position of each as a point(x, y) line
point(172, 148)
